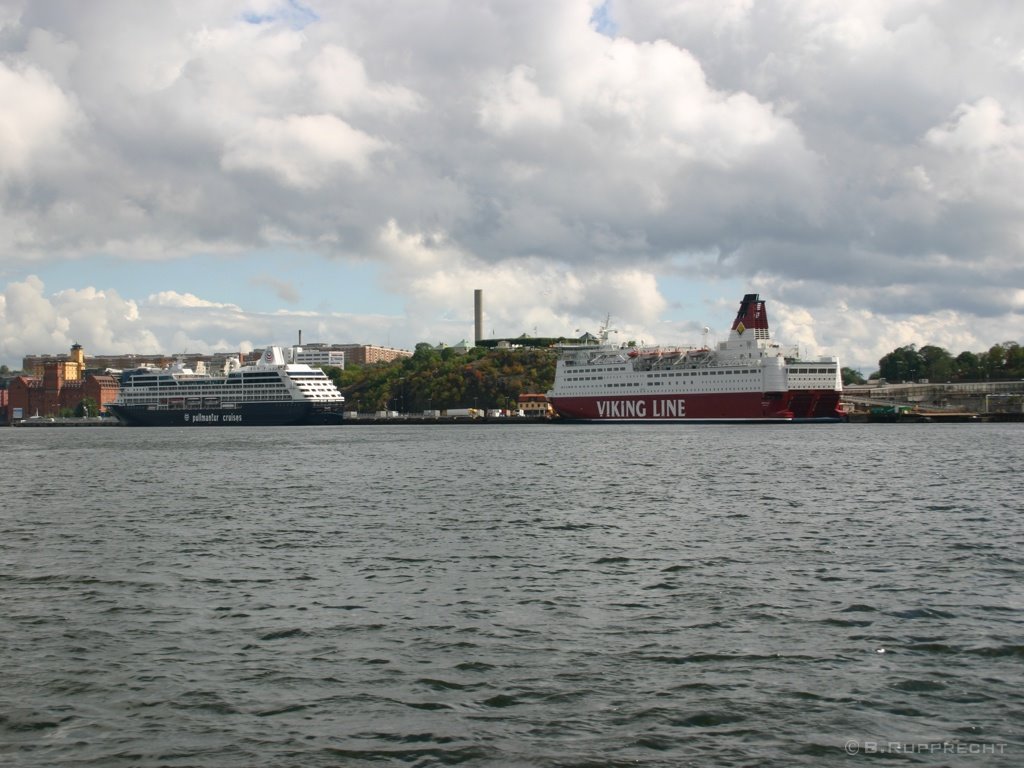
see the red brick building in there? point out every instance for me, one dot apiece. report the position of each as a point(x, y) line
point(49, 396)
point(368, 354)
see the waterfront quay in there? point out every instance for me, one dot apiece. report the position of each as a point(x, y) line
point(106, 421)
point(90, 421)
point(419, 420)
point(928, 401)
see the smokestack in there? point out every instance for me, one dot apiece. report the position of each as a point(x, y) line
point(300, 337)
point(478, 314)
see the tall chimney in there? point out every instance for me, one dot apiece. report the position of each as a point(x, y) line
point(478, 313)
point(300, 337)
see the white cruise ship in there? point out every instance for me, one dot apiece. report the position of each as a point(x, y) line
point(270, 392)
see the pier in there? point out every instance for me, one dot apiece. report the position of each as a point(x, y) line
point(926, 401)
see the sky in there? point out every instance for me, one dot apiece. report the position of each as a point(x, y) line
point(213, 175)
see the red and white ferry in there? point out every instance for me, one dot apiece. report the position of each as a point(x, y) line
point(748, 378)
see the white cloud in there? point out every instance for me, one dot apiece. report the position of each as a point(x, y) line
point(185, 300)
point(514, 102)
point(302, 151)
point(341, 85)
point(865, 152)
point(528, 295)
point(978, 128)
point(34, 322)
point(36, 123)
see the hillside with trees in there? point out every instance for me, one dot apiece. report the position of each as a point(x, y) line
point(1002, 362)
point(433, 380)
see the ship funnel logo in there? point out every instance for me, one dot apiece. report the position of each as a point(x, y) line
point(740, 328)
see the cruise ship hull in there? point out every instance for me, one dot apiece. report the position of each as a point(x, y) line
point(244, 415)
point(750, 407)
point(689, 407)
point(816, 405)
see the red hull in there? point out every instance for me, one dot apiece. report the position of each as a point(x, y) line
point(799, 405)
point(737, 406)
point(815, 405)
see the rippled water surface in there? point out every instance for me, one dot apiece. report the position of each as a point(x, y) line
point(527, 595)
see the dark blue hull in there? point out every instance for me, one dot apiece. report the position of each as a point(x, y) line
point(244, 415)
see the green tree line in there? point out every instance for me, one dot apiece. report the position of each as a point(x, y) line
point(433, 380)
point(1001, 362)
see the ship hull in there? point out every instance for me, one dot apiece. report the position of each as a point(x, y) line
point(244, 415)
point(813, 406)
point(689, 408)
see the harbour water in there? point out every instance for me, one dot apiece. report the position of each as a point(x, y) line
point(517, 596)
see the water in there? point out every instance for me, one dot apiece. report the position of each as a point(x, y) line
point(512, 596)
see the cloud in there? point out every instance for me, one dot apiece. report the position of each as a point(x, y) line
point(302, 151)
point(514, 103)
point(342, 86)
point(529, 295)
point(33, 322)
point(185, 301)
point(580, 153)
point(37, 123)
point(283, 289)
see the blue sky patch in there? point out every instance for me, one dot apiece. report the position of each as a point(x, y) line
point(602, 20)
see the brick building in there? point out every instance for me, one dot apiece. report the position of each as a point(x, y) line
point(48, 396)
point(72, 365)
point(76, 363)
point(367, 354)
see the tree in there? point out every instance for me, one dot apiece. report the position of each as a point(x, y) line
point(424, 356)
point(487, 378)
point(1014, 359)
point(994, 362)
point(851, 376)
point(968, 366)
point(1000, 361)
point(902, 364)
point(87, 407)
point(938, 363)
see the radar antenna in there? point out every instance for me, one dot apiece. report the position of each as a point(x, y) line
point(606, 328)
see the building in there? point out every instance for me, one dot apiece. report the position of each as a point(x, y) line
point(460, 348)
point(535, 405)
point(367, 354)
point(77, 363)
point(72, 365)
point(53, 395)
point(319, 355)
point(128, 362)
point(57, 385)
